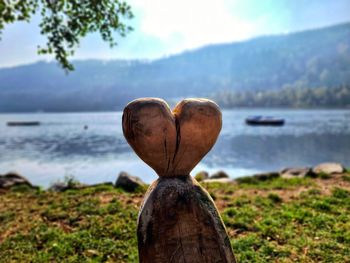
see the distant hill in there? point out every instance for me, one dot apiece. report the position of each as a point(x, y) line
point(307, 59)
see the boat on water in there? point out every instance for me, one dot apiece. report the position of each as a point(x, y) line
point(23, 123)
point(264, 121)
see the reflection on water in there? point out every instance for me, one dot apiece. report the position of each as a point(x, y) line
point(265, 152)
point(61, 146)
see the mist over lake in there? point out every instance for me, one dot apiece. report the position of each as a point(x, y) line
point(62, 146)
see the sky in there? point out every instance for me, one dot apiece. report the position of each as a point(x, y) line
point(165, 27)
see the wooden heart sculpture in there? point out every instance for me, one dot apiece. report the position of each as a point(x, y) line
point(171, 142)
point(178, 221)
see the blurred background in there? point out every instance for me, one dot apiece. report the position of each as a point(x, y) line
point(288, 60)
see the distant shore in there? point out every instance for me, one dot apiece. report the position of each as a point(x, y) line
point(223, 107)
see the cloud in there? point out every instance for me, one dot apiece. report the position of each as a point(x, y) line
point(193, 23)
point(164, 27)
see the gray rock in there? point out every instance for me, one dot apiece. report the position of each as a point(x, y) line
point(203, 175)
point(218, 175)
point(328, 168)
point(13, 179)
point(296, 172)
point(128, 182)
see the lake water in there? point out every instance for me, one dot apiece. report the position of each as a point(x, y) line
point(62, 147)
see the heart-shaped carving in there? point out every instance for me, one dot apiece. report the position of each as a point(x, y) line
point(171, 142)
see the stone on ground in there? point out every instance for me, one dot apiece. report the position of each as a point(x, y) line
point(218, 175)
point(13, 179)
point(328, 168)
point(128, 182)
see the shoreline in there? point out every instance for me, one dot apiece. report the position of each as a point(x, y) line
point(323, 170)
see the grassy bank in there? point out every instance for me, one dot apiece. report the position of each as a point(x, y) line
point(278, 220)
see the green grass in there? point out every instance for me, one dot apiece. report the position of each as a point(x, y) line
point(312, 228)
point(276, 220)
point(74, 226)
point(254, 184)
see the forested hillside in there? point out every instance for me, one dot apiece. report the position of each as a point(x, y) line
point(291, 97)
point(308, 59)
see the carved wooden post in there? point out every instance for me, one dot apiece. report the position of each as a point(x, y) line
point(178, 220)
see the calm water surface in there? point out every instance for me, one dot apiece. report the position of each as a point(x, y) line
point(62, 147)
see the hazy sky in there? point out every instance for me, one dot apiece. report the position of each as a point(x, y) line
point(163, 27)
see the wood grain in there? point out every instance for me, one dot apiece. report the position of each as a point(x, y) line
point(171, 142)
point(179, 223)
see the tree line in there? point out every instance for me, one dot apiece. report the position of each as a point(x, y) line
point(289, 97)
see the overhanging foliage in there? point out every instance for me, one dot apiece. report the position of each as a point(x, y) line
point(65, 22)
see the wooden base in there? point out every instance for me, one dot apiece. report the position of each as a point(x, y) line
point(179, 223)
